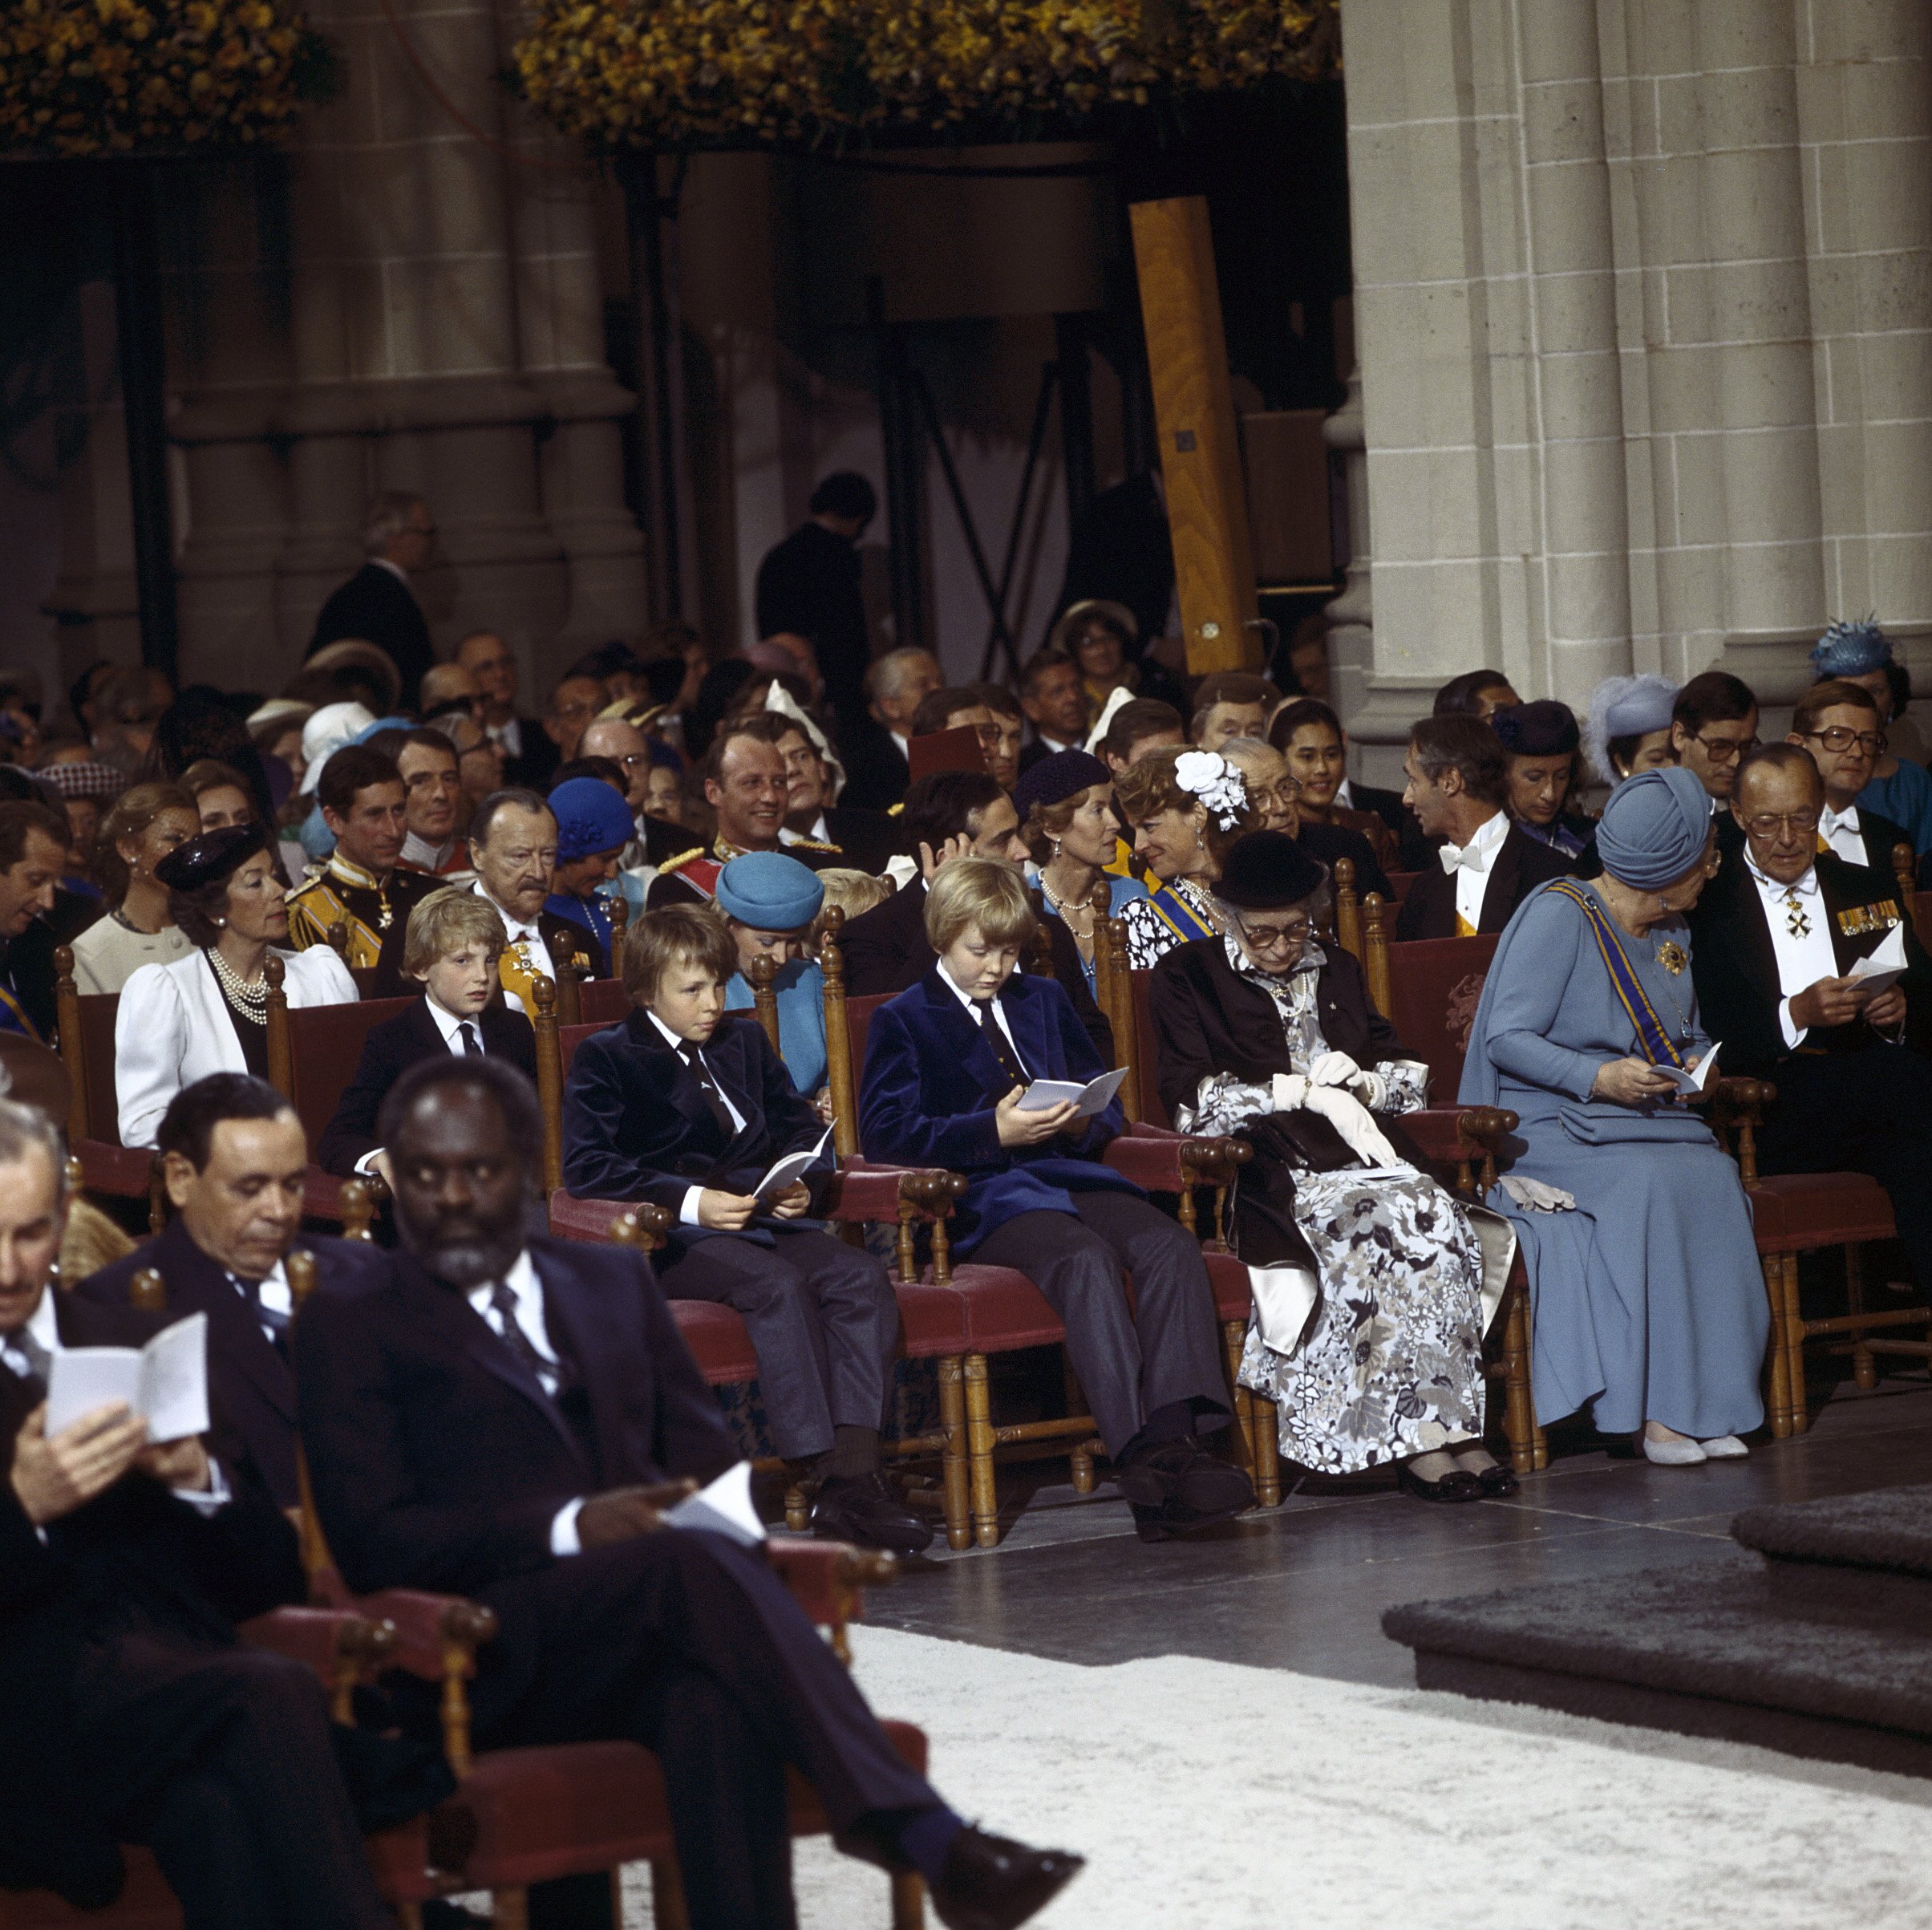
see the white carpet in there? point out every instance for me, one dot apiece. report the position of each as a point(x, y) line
point(1204, 1794)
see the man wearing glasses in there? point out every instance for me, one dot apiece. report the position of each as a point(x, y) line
point(1838, 723)
point(1776, 938)
point(1713, 723)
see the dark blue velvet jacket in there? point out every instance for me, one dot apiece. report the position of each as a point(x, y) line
point(931, 1083)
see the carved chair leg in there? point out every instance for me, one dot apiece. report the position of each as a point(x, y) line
point(1267, 1439)
point(1080, 1454)
point(668, 1909)
point(979, 1446)
point(1778, 1396)
point(1519, 1410)
point(1794, 1330)
point(1864, 1365)
point(1234, 1334)
point(953, 1455)
point(510, 1909)
point(908, 1902)
point(798, 1508)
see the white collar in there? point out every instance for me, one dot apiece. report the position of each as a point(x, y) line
point(420, 851)
point(1807, 886)
point(1485, 842)
point(510, 923)
point(447, 1022)
point(966, 998)
point(521, 1280)
point(1343, 797)
point(42, 1324)
point(395, 570)
point(1830, 820)
point(905, 744)
point(679, 1046)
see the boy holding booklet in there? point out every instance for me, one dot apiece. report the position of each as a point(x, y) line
point(687, 1108)
point(948, 1067)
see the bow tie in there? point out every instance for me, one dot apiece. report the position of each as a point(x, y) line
point(1830, 820)
point(1462, 858)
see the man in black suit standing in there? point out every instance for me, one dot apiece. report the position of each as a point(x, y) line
point(132, 1714)
point(376, 605)
point(235, 1163)
point(505, 1419)
point(1458, 783)
point(809, 586)
point(954, 814)
point(1776, 937)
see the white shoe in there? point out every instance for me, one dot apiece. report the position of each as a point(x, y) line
point(1673, 1454)
point(1726, 1447)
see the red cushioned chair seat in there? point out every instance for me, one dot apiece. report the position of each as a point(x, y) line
point(1228, 1278)
point(1004, 1310)
point(572, 1219)
point(718, 1339)
point(933, 1322)
point(1795, 1212)
point(146, 1903)
point(107, 1166)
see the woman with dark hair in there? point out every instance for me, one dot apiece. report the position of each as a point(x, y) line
point(1475, 693)
point(208, 1012)
point(1066, 820)
point(1309, 734)
point(1627, 728)
point(1368, 1278)
point(146, 823)
point(1186, 807)
point(1539, 743)
point(201, 724)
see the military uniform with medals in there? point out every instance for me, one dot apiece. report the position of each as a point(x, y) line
point(691, 877)
point(375, 913)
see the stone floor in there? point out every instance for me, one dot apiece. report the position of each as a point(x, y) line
point(1303, 1586)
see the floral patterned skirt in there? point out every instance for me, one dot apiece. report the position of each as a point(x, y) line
point(1392, 1364)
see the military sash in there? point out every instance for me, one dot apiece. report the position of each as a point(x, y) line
point(1652, 1040)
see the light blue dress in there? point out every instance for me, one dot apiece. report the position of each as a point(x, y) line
point(1646, 1299)
point(800, 989)
point(1905, 797)
point(1120, 891)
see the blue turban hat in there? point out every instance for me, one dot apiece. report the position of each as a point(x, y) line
point(590, 817)
point(1851, 649)
point(769, 892)
point(1654, 829)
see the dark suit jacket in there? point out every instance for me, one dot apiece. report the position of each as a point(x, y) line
point(884, 950)
point(377, 607)
point(931, 1082)
point(1735, 966)
point(877, 773)
point(1119, 548)
point(1520, 865)
point(134, 1559)
point(1210, 1019)
point(1415, 851)
point(439, 1462)
point(388, 1052)
point(637, 1125)
point(531, 766)
point(26, 963)
point(865, 839)
point(811, 584)
point(249, 1378)
point(1328, 842)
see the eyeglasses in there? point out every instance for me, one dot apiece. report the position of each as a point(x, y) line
point(1840, 738)
point(1288, 792)
point(1767, 824)
point(1265, 938)
point(1724, 750)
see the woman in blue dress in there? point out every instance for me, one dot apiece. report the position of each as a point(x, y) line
point(769, 902)
point(1186, 807)
point(1067, 820)
point(1646, 1301)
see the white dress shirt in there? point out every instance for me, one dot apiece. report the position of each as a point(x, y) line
point(1804, 958)
point(818, 834)
point(687, 1213)
point(1843, 832)
point(972, 1010)
point(1471, 864)
point(528, 1291)
point(395, 570)
point(431, 857)
point(509, 734)
point(515, 933)
point(271, 1294)
point(446, 1023)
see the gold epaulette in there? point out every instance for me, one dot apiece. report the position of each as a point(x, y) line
point(683, 857)
point(810, 844)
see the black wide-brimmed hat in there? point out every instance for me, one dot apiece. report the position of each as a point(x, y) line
point(1542, 729)
point(1267, 870)
point(212, 858)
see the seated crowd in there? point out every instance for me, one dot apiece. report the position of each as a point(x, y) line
point(476, 1408)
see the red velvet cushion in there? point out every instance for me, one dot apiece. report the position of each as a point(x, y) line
point(146, 1903)
point(324, 1048)
point(1794, 1212)
point(933, 1322)
point(572, 1219)
point(107, 1166)
point(1228, 1278)
point(1434, 984)
point(718, 1339)
point(1004, 1310)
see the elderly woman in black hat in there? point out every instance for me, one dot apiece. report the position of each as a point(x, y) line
point(1368, 1277)
point(1540, 742)
point(1068, 821)
point(208, 1012)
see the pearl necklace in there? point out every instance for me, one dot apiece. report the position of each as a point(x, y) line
point(1061, 906)
point(250, 1000)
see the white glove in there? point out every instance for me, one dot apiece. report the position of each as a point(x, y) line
point(1290, 1092)
point(1359, 1133)
point(1334, 1068)
point(1534, 1196)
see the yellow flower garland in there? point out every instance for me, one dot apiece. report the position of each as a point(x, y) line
point(695, 73)
point(88, 77)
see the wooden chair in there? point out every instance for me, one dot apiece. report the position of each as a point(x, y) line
point(85, 1025)
point(579, 1808)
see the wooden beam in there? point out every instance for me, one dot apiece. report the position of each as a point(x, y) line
point(1200, 446)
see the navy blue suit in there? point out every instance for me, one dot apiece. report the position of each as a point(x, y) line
point(438, 1462)
point(821, 1315)
point(388, 1052)
point(1054, 1212)
point(247, 1373)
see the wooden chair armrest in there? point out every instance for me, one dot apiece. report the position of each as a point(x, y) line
point(342, 1646)
point(863, 1194)
point(1163, 1161)
point(1737, 1108)
point(827, 1579)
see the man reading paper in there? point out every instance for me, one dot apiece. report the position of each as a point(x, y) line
point(686, 1107)
point(1779, 937)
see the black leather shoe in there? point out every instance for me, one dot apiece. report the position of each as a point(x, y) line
point(1174, 1519)
point(1184, 1471)
point(1498, 1481)
point(1457, 1485)
point(992, 1883)
point(864, 1511)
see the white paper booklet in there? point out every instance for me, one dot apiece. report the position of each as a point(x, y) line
point(725, 1507)
point(1883, 968)
point(165, 1382)
point(1095, 1096)
point(1692, 1082)
point(793, 1166)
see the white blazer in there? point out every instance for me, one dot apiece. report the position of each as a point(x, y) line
point(172, 1027)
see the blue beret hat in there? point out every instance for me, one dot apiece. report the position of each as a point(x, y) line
point(1055, 779)
point(590, 816)
point(1654, 827)
point(769, 892)
point(1542, 729)
point(1851, 649)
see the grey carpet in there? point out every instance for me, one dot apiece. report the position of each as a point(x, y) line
point(1890, 1528)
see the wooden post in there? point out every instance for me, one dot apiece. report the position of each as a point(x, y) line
point(549, 1083)
point(281, 1055)
point(66, 1027)
point(620, 927)
point(569, 989)
point(1375, 964)
point(1102, 903)
point(301, 1269)
point(1120, 1015)
point(764, 997)
point(1199, 449)
point(838, 1038)
point(1904, 868)
point(1348, 912)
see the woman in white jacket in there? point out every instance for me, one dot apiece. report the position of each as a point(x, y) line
point(208, 1012)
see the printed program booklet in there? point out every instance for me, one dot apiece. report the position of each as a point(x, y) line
point(1093, 1097)
point(165, 1382)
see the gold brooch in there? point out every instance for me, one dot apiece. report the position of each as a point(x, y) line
point(1670, 956)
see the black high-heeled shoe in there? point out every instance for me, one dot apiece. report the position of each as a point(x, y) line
point(1457, 1485)
point(1497, 1480)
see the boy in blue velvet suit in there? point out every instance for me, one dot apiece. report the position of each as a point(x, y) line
point(686, 1107)
point(946, 1064)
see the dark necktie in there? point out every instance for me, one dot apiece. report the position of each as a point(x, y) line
point(1003, 1049)
point(23, 1347)
point(470, 1048)
point(713, 1097)
point(503, 1303)
point(272, 1318)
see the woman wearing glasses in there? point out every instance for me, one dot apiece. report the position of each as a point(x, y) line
point(1839, 722)
point(1367, 1277)
point(1276, 795)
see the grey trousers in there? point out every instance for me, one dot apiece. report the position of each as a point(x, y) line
point(1130, 1363)
point(823, 1321)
